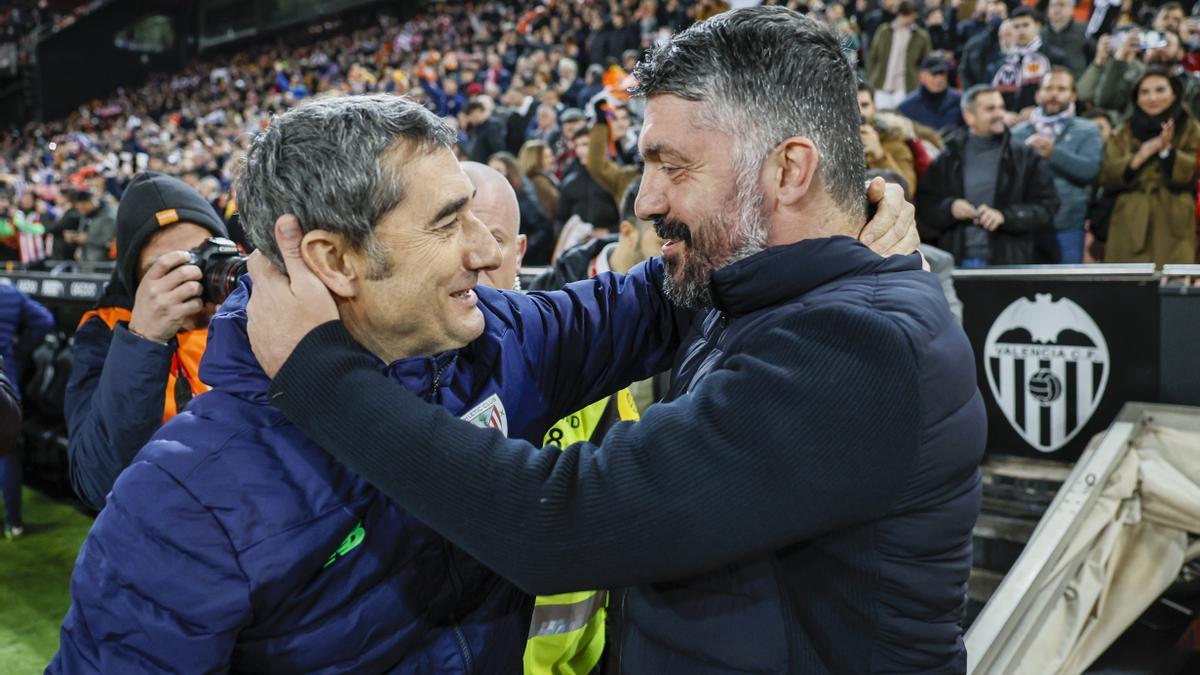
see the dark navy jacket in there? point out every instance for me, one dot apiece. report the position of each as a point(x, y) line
point(803, 504)
point(234, 543)
point(935, 112)
point(22, 320)
point(114, 401)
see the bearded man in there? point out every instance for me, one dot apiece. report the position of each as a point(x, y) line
point(804, 498)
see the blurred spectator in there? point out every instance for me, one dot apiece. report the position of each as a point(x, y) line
point(1109, 82)
point(536, 163)
point(582, 196)
point(564, 144)
point(545, 127)
point(986, 199)
point(1169, 17)
point(486, 133)
point(885, 146)
point(635, 241)
point(1073, 148)
point(987, 15)
point(624, 136)
point(535, 222)
point(447, 100)
point(23, 325)
point(884, 14)
point(593, 85)
point(847, 31)
point(1063, 33)
point(97, 231)
point(613, 177)
point(1150, 167)
point(21, 237)
point(1100, 201)
point(934, 103)
point(569, 84)
point(981, 44)
point(942, 35)
point(1020, 70)
point(896, 51)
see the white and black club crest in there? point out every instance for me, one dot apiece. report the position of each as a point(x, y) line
point(1047, 364)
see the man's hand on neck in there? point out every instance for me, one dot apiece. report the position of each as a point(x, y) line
point(284, 308)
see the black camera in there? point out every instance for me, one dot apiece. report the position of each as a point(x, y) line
point(222, 264)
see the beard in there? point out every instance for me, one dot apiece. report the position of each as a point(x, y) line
point(717, 242)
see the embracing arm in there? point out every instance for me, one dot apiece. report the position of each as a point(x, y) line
point(595, 336)
point(764, 452)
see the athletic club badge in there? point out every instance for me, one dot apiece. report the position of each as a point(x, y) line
point(490, 413)
point(1047, 365)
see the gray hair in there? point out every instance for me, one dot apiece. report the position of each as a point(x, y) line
point(967, 103)
point(766, 74)
point(324, 162)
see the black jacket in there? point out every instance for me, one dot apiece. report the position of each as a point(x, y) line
point(10, 414)
point(582, 196)
point(572, 265)
point(486, 140)
point(1025, 194)
point(803, 504)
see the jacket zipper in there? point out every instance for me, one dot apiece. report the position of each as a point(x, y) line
point(460, 638)
point(464, 649)
point(437, 379)
point(456, 583)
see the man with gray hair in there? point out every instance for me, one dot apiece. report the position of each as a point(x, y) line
point(232, 542)
point(803, 500)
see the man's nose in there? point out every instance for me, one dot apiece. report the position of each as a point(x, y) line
point(482, 251)
point(651, 201)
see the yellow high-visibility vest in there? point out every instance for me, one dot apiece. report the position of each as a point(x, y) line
point(566, 636)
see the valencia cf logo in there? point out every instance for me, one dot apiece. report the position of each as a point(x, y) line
point(1047, 364)
point(490, 413)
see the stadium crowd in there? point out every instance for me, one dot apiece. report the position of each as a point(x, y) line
point(1084, 90)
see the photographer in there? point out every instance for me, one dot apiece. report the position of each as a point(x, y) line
point(141, 340)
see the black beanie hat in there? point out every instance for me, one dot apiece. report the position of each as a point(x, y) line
point(152, 201)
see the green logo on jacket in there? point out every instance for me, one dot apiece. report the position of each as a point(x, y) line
point(351, 542)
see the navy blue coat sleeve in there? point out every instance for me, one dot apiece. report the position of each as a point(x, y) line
point(143, 599)
point(36, 322)
point(114, 404)
point(10, 414)
point(595, 336)
point(779, 446)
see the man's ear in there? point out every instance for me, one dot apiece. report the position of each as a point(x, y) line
point(522, 245)
point(795, 170)
point(333, 260)
point(628, 230)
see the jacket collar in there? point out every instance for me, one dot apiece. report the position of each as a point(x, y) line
point(783, 273)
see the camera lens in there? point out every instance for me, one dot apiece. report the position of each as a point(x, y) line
point(222, 277)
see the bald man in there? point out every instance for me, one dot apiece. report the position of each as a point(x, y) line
point(496, 205)
point(554, 646)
